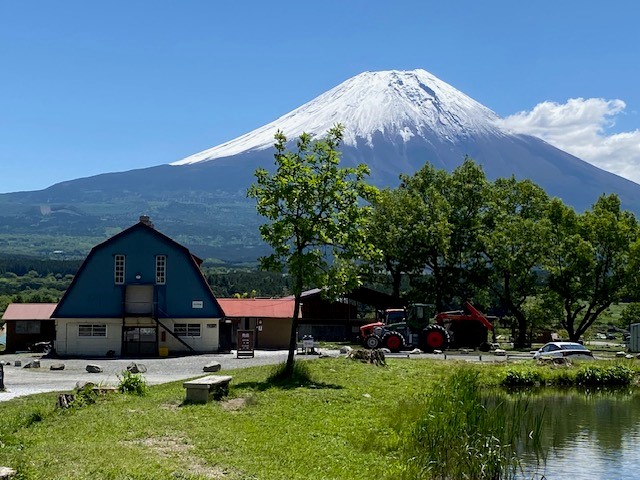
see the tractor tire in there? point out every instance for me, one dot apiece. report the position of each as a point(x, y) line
point(393, 341)
point(434, 337)
point(372, 341)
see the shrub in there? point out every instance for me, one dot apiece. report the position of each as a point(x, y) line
point(522, 378)
point(84, 396)
point(132, 383)
point(594, 375)
point(300, 375)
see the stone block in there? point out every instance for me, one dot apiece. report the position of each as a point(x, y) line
point(212, 367)
point(94, 368)
point(134, 367)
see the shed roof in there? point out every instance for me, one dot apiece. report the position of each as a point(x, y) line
point(29, 311)
point(257, 307)
point(364, 295)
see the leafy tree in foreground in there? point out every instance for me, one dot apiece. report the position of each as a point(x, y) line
point(316, 220)
point(594, 260)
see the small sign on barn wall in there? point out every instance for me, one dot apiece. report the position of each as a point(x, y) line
point(197, 304)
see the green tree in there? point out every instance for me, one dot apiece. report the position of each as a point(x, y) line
point(630, 314)
point(467, 191)
point(443, 229)
point(514, 245)
point(316, 220)
point(402, 225)
point(593, 260)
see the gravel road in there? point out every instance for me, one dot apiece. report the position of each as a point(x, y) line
point(20, 381)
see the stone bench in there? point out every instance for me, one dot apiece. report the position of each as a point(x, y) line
point(199, 390)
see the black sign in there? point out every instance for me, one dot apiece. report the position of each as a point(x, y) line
point(245, 343)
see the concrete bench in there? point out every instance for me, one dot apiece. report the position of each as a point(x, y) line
point(199, 390)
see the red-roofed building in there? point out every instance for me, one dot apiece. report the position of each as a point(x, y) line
point(270, 318)
point(28, 323)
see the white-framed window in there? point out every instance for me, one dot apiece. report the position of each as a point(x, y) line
point(118, 271)
point(161, 269)
point(92, 330)
point(187, 329)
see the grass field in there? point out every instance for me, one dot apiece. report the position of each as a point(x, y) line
point(349, 421)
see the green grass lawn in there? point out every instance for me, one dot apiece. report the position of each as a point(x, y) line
point(348, 423)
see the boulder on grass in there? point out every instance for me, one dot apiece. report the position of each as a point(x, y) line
point(32, 364)
point(57, 366)
point(212, 367)
point(94, 368)
point(499, 352)
point(134, 367)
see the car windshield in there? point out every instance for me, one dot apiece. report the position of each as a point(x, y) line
point(573, 346)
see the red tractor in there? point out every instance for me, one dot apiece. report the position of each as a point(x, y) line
point(456, 329)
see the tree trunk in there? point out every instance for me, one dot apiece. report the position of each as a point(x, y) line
point(521, 341)
point(397, 278)
point(293, 338)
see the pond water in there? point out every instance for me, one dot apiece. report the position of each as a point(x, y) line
point(586, 435)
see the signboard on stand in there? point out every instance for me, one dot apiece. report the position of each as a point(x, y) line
point(246, 342)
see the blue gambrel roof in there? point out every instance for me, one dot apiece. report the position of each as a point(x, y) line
point(94, 294)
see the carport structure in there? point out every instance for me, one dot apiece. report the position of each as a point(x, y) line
point(341, 319)
point(28, 323)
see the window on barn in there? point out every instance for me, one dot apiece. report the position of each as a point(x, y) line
point(187, 329)
point(161, 269)
point(119, 269)
point(28, 327)
point(92, 330)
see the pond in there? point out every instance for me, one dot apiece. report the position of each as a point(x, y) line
point(594, 435)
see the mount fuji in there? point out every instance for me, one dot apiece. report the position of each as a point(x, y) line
point(394, 121)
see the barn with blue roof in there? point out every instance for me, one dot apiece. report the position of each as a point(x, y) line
point(139, 293)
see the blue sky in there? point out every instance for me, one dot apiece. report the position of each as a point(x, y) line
point(94, 87)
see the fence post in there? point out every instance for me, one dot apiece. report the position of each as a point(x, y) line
point(1, 376)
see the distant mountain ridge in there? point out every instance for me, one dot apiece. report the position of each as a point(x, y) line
point(394, 121)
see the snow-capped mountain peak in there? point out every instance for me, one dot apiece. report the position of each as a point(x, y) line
point(398, 105)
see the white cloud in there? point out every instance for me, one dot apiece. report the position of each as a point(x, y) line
point(580, 128)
